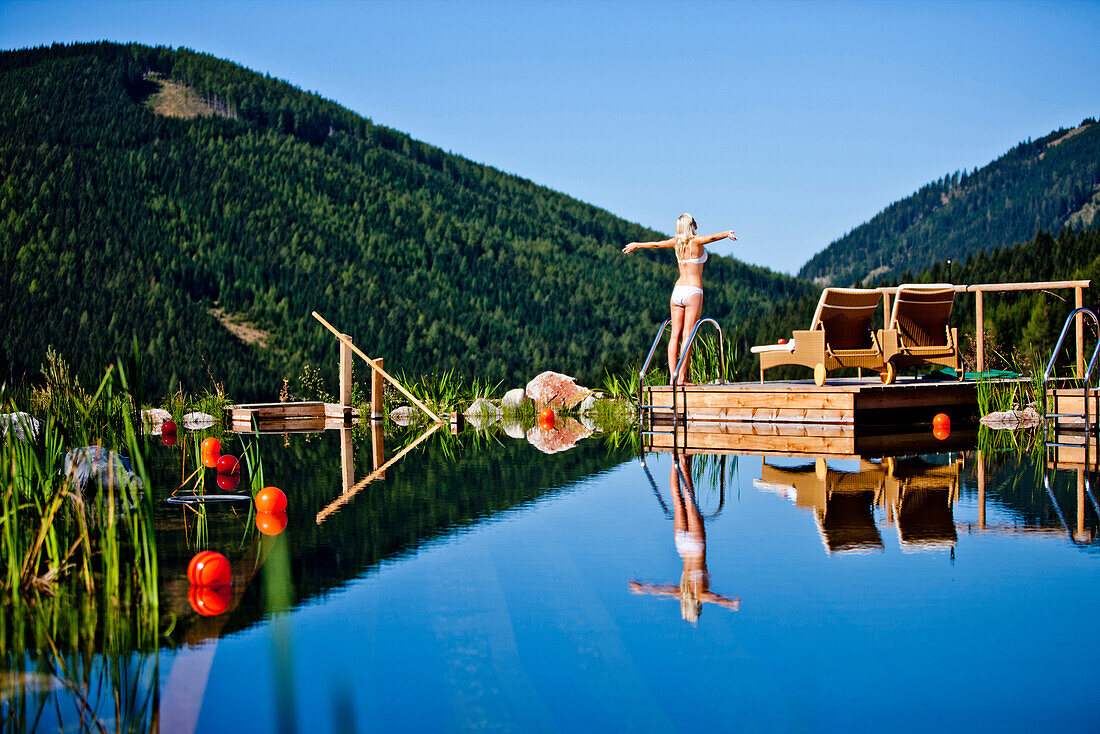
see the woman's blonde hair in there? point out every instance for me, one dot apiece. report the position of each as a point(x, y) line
point(685, 230)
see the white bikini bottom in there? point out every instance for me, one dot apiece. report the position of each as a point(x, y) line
point(681, 294)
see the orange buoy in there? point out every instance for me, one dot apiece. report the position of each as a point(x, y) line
point(271, 523)
point(270, 499)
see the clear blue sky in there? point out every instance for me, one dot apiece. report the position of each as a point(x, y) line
point(791, 122)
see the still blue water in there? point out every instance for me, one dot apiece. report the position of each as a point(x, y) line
point(492, 586)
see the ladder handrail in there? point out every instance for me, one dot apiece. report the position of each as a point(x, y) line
point(1088, 370)
point(1062, 338)
point(648, 359)
point(687, 346)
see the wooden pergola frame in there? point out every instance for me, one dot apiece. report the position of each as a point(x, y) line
point(979, 290)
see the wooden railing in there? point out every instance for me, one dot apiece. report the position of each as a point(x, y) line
point(979, 290)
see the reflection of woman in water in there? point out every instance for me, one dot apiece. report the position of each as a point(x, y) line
point(686, 304)
point(691, 543)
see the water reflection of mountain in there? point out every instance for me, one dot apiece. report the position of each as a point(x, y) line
point(431, 492)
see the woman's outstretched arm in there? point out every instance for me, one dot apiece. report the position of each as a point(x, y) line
point(649, 245)
point(706, 239)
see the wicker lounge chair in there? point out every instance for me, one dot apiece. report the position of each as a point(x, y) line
point(839, 336)
point(919, 330)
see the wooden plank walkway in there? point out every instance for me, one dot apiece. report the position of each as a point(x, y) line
point(305, 417)
point(843, 401)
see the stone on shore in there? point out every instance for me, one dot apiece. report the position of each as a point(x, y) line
point(482, 408)
point(1010, 420)
point(556, 390)
point(155, 416)
point(197, 421)
point(94, 463)
point(514, 399)
point(22, 425)
point(404, 415)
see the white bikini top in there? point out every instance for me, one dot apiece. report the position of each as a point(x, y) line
point(697, 260)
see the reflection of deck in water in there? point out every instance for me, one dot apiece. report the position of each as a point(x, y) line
point(845, 401)
point(763, 439)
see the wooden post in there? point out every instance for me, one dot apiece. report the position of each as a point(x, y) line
point(377, 411)
point(981, 490)
point(1079, 299)
point(378, 447)
point(345, 379)
point(347, 460)
point(886, 309)
point(979, 332)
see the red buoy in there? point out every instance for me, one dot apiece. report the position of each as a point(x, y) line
point(228, 464)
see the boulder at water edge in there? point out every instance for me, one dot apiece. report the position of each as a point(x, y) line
point(1010, 420)
point(96, 464)
point(482, 408)
point(404, 415)
point(556, 390)
point(198, 421)
point(22, 425)
point(515, 399)
point(155, 416)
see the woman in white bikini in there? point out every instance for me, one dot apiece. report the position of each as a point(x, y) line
point(687, 295)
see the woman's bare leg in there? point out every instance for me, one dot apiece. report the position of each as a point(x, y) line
point(692, 310)
point(674, 339)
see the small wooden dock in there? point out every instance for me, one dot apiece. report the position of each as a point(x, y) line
point(841, 401)
point(305, 417)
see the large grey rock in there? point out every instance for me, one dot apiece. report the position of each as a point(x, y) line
point(22, 425)
point(89, 464)
point(481, 421)
point(515, 399)
point(588, 404)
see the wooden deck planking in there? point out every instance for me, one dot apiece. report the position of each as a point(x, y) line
point(841, 401)
point(272, 416)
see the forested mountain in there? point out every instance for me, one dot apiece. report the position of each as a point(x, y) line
point(117, 221)
point(1043, 184)
point(1025, 325)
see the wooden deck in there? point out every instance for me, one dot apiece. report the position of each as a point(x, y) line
point(808, 441)
point(851, 401)
point(1067, 406)
point(307, 417)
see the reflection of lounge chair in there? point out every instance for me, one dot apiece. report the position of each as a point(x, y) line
point(922, 496)
point(919, 330)
point(847, 523)
point(839, 336)
point(843, 502)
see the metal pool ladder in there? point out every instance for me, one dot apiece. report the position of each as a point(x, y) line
point(672, 378)
point(1047, 417)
